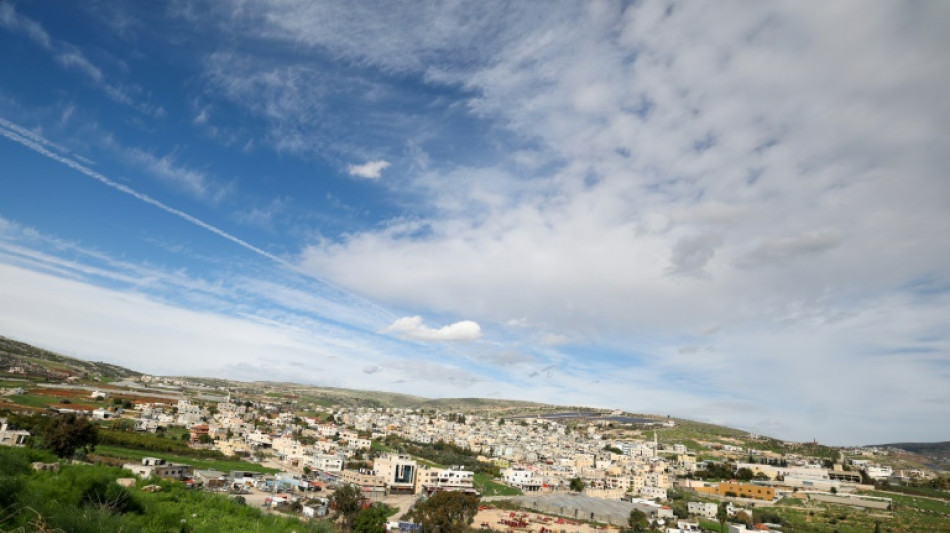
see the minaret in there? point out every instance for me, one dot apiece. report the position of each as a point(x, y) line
point(656, 445)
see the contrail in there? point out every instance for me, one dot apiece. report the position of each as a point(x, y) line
point(33, 142)
point(20, 130)
point(37, 143)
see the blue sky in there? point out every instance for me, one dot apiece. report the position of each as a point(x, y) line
point(728, 212)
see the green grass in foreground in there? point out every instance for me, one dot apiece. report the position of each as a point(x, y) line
point(85, 499)
point(224, 465)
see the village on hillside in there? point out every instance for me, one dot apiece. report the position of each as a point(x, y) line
point(538, 472)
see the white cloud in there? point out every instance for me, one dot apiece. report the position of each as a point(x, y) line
point(58, 308)
point(762, 152)
point(202, 116)
point(369, 170)
point(264, 216)
point(75, 59)
point(13, 21)
point(412, 327)
point(785, 162)
point(191, 181)
point(699, 155)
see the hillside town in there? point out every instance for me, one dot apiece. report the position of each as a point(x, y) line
point(587, 468)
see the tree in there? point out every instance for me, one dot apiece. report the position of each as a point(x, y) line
point(347, 501)
point(744, 474)
point(67, 433)
point(764, 515)
point(372, 520)
point(834, 490)
point(638, 521)
point(577, 484)
point(446, 512)
point(680, 509)
point(721, 515)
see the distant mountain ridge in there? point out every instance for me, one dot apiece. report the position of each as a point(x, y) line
point(933, 450)
point(37, 361)
point(17, 356)
point(364, 398)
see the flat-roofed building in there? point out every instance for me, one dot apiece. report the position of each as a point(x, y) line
point(13, 437)
point(398, 472)
point(431, 480)
point(154, 466)
point(740, 490)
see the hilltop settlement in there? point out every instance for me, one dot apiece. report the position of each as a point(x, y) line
point(288, 449)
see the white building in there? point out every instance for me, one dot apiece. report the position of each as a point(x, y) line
point(103, 414)
point(878, 472)
point(705, 510)
point(524, 479)
point(430, 480)
point(153, 466)
point(328, 463)
point(13, 437)
point(653, 493)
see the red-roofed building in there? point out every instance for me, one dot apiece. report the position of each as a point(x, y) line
point(197, 431)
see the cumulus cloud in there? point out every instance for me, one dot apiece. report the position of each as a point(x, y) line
point(692, 142)
point(666, 157)
point(412, 327)
point(370, 170)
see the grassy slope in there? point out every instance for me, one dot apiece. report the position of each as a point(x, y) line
point(15, 353)
point(910, 514)
point(224, 465)
point(65, 501)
